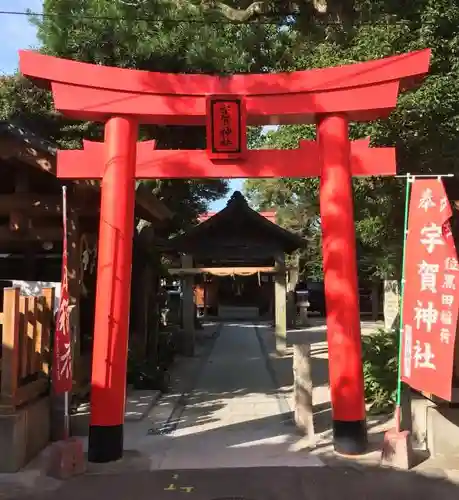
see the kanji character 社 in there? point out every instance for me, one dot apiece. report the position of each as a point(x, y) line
point(423, 359)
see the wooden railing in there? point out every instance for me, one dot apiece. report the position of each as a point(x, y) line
point(25, 354)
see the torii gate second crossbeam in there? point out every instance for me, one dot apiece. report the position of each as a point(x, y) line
point(123, 99)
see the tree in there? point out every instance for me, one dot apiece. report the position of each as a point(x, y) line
point(120, 33)
point(424, 127)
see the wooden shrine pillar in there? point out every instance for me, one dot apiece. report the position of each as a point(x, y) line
point(293, 275)
point(111, 324)
point(280, 304)
point(188, 307)
point(341, 286)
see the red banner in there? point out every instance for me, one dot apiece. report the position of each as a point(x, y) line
point(431, 300)
point(62, 355)
point(226, 127)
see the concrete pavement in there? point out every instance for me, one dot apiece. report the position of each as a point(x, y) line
point(234, 416)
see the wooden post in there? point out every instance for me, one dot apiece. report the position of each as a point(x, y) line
point(303, 388)
point(280, 299)
point(188, 310)
point(39, 317)
point(47, 316)
point(30, 339)
point(23, 322)
point(10, 346)
point(291, 303)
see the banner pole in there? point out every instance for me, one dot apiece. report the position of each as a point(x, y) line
point(398, 402)
point(66, 393)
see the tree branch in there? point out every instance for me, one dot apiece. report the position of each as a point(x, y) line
point(239, 15)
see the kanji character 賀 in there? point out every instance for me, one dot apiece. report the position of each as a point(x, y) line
point(426, 200)
point(447, 300)
point(423, 359)
point(432, 236)
point(427, 315)
point(428, 274)
point(445, 336)
point(448, 282)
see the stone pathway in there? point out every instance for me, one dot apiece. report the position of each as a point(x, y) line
point(234, 416)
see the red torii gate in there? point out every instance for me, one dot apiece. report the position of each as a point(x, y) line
point(123, 99)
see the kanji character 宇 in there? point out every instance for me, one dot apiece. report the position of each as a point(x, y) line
point(428, 274)
point(432, 236)
point(426, 200)
point(446, 317)
point(449, 282)
point(427, 315)
point(445, 336)
point(423, 359)
point(447, 300)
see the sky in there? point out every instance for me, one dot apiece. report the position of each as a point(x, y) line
point(17, 33)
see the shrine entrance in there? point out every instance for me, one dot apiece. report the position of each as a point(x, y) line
point(123, 99)
point(237, 258)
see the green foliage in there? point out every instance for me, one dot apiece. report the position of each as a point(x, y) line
point(423, 128)
point(380, 360)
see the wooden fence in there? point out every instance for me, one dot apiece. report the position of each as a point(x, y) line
point(25, 353)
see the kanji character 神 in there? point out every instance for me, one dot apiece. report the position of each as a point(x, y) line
point(447, 300)
point(428, 274)
point(445, 336)
point(423, 359)
point(432, 236)
point(427, 315)
point(449, 282)
point(426, 200)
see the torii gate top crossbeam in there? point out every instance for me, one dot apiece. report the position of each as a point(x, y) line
point(364, 91)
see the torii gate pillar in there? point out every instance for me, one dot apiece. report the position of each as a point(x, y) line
point(111, 325)
point(341, 286)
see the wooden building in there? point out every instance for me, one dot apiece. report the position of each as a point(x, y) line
point(31, 241)
point(238, 256)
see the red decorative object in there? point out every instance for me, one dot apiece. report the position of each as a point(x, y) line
point(226, 128)
point(62, 350)
point(330, 98)
point(431, 297)
point(88, 163)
